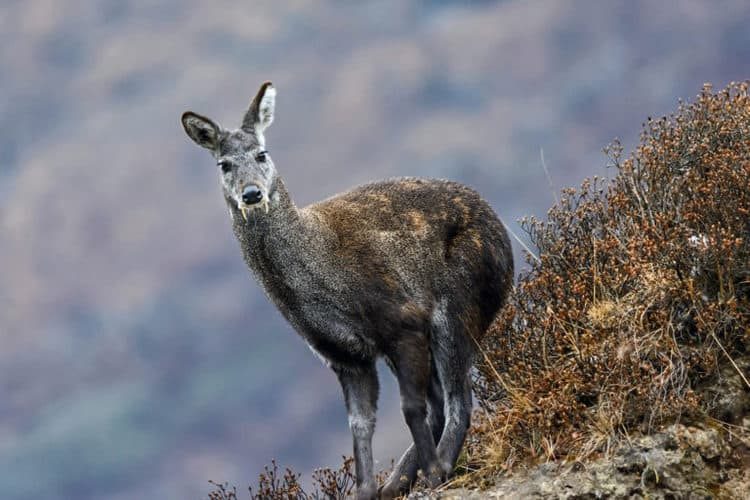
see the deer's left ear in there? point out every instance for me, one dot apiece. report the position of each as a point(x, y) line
point(260, 113)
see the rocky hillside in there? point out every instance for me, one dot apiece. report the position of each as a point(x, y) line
point(707, 459)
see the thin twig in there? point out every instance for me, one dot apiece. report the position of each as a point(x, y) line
point(730, 359)
point(507, 228)
point(549, 177)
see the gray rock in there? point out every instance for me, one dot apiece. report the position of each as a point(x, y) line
point(679, 462)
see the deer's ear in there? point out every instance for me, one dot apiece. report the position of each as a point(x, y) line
point(203, 131)
point(260, 113)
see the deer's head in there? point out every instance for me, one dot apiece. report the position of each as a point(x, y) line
point(245, 168)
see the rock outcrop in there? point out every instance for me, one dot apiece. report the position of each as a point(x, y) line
point(678, 462)
point(707, 458)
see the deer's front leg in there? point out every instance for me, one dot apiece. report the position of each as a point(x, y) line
point(360, 387)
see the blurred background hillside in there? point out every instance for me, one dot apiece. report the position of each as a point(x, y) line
point(138, 357)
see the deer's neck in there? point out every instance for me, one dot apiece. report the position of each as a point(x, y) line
point(282, 247)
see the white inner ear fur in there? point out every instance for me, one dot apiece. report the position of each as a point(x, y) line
point(265, 110)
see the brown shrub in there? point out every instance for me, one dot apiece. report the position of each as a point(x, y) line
point(641, 291)
point(328, 484)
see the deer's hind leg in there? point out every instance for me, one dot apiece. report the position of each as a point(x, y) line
point(410, 361)
point(453, 356)
point(405, 471)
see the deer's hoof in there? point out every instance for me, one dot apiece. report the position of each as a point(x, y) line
point(436, 476)
point(367, 492)
point(394, 488)
point(387, 493)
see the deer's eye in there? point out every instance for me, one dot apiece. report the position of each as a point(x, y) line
point(261, 156)
point(225, 166)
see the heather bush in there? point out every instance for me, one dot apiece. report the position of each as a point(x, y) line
point(640, 292)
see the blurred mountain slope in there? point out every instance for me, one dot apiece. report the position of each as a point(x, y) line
point(138, 356)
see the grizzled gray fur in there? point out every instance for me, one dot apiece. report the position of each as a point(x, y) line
point(411, 270)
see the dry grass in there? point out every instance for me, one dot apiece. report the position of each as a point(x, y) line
point(641, 291)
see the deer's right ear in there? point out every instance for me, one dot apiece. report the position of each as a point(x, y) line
point(203, 131)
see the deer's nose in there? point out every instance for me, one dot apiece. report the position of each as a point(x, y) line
point(252, 194)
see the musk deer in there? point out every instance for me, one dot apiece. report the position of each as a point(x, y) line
point(412, 270)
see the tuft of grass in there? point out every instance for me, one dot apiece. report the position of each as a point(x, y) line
point(640, 293)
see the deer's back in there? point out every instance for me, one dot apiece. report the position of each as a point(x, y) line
point(420, 242)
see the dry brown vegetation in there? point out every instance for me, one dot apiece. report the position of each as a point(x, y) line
point(328, 484)
point(640, 293)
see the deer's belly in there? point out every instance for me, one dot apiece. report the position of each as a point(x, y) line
point(333, 339)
